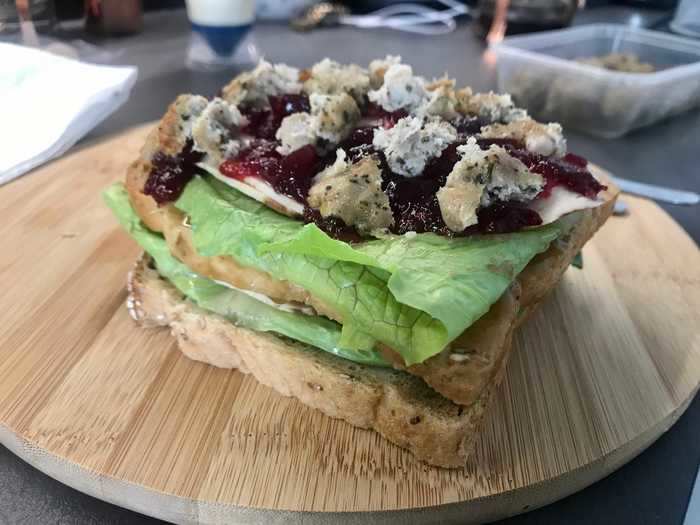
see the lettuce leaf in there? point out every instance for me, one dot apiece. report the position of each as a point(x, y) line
point(235, 306)
point(413, 294)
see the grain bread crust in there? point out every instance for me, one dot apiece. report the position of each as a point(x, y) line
point(399, 406)
point(465, 368)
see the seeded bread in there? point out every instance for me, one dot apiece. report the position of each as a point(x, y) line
point(399, 406)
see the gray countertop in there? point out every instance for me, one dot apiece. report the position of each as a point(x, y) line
point(654, 488)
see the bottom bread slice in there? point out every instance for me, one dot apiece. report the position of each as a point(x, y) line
point(399, 406)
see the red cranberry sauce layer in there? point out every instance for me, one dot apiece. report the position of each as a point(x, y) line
point(570, 171)
point(170, 173)
point(263, 123)
point(289, 175)
point(386, 119)
point(413, 200)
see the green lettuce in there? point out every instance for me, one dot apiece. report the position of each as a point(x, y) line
point(414, 294)
point(235, 306)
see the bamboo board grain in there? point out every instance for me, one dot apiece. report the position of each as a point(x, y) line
point(609, 362)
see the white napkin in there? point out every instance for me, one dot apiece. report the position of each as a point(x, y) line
point(48, 103)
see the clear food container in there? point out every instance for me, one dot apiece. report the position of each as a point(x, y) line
point(542, 74)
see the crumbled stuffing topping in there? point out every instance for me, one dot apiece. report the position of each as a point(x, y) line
point(355, 195)
point(188, 108)
point(336, 115)
point(441, 101)
point(462, 97)
point(481, 177)
point(400, 90)
point(378, 67)
point(297, 130)
point(509, 180)
point(442, 82)
point(253, 87)
point(460, 197)
point(331, 119)
point(339, 165)
point(412, 142)
point(494, 107)
point(214, 130)
point(331, 78)
point(545, 139)
point(353, 191)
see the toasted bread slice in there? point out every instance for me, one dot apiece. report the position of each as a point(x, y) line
point(399, 406)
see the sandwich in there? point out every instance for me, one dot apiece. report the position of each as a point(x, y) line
point(363, 239)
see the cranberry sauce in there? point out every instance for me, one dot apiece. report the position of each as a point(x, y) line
point(170, 173)
point(413, 200)
point(506, 217)
point(569, 171)
point(506, 143)
point(333, 226)
point(467, 125)
point(356, 145)
point(290, 175)
point(264, 123)
point(566, 171)
point(388, 119)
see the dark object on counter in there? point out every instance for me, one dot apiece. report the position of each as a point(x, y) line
point(75, 9)
point(113, 17)
point(325, 14)
point(41, 12)
point(525, 16)
point(656, 4)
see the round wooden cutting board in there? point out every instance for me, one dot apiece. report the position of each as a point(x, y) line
point(608, 364)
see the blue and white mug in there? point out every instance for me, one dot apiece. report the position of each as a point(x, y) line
point(218, 28)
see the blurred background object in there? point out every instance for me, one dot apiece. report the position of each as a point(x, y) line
point(523, 16)
point(12, 12)
point(113, 17)
point(218, 27)
point(281, 9)
point(603, 79)
point(412, 17)
point(40, 127)
point(687, 19)
point(654, 4)
point(323, 14)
